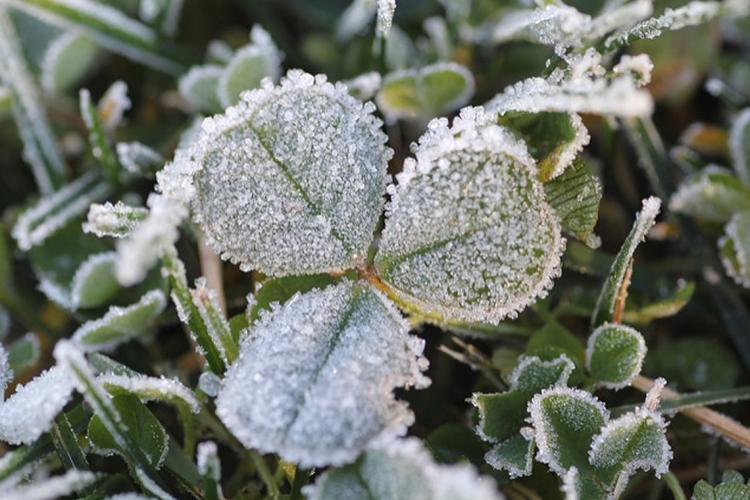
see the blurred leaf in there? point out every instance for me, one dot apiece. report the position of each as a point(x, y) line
point(734, 248)
point(662, 308)
point(713, 194)
point(66, 61)
point(95, 282)
point(450, 443)
point(23, 353)
point(693, 364)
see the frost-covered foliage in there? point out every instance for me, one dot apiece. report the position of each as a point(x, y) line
point(234, 278)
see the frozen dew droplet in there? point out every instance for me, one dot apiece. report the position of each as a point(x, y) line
point(469, 234)
point(315, 377)
point(290, 180)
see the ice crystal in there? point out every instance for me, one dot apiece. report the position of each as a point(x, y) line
point(94, 281)
point(206, 302)
point(365, 86)
point(532, 374)
point(712, 194)
point(325, 365)
point(469, 234)
point(29, 412)
point(113, 104)
point(209, 383)
point(148, 241)
point(615, 354)
point(53, 487)
point(734, 248)
point(139, 159)
point(6, 374)
point(199, 87)
point(117, 220)
point(151, 389)
point(514, 455)
point(739, 145)
point(549, 25)
point(289, 181)
point(579, 92)
point(386, 10)
point(207, 458)
point(402, 468)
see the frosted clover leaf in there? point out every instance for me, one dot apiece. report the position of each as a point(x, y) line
point(469, 234)
point(614, 355)
point(305, 163)
point(324, 366)
point(402, 469)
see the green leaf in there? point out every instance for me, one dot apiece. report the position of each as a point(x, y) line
point(515, 455)
point(23, 353)
point(143, 429)
point(402, 469)
point(531, 375)
point(454, 442)
point(248, 67)
point(200, 87)
point(206, 303)
point(335, 356)
point(150, 389)
point(313, 210)
point(614, 355)
point(644, 220)
point(501, 415)
point(732, 487)
point(98, 140)
point(663, 308)
point(739, 145)
point(66, 443)
point(117, 220)
point(553, 339)
point(554, 139)
point(40, 147)
point(425, 93)
point(95, 282)
point(734, 248)
point(694, 364)
point(279, 290)
point(66, 61)
point(209, 468)
point(121, 324)
point(575, 196)
point(453, 248)
point(713, 194)
point(109, 28)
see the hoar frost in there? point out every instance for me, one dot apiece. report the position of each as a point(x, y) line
point(290, 180)
point(315, 377)
point(469, 234)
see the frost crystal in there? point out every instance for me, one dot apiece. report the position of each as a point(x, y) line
point(139, 159)
point(469, 234)
point(290, 180)
point(532, 373)
point(151, 389)
point(29, 412)
point(54, 487)
point(207, 459)
point(615, 354)
point(6, 374)
point(712, 194)
point(402, 468)
point(209, 383)
point(734, 248)
point(324, 365)
point(199, 85)
point(386, 10)
point(117, 220)
point(365, 86)
point(113, 104)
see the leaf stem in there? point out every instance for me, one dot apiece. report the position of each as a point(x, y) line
point(265, 474)
point(674, 486)
point(211, 270)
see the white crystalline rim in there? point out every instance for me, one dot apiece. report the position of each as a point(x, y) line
point(525, 361)
point(104, 216)
point(393, 114)
point(500, 464)
point(207, 457)
point(545, 454)
point(737, 148)
point(6, 373)
point(152, 388)
point(127, 152)
point(386, 10)
point(367, 84)
point(194, 75)
point(640, 65)
point(53, 487)
point(660, 464)
point(155, 297)
point(691, 189)
point(641, 353)
point(731, 231)
point(51, 55)
point(569, 481)
point(84, 270)
point(178, 178)
point(475, 128)
point(113, 104)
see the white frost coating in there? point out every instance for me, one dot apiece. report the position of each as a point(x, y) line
point(250, 64)
point(138, 159)
point(53, 211)
point(737, 238)
point(713, 194)
point(547, 446)
point(128, 496)
point(393, 113)
point(29, 412)
point(143, 49)
point(566, 157)
point(582, 93)
point(634, 364)
point(210, 383)
point(51, 488)
point(199, 86)
point(152, 388)
point(120, 323)
point(113, 104)
point(404, 469)
point(496, 459)
point(207, 458)
point(206, 302)
point(739, 145)
point(58, 56)
point(653, 396)
point(90, 268)
point(6, 373)
point(570, 485)
point(640, 66)
point(386, 10)
point(290, 180)
point(324, 365)
point(117, 220)
point(355, 18)
point(460, 240)
point(365, 86)
point(150, 239)
point(549, 25)
point(529, 364)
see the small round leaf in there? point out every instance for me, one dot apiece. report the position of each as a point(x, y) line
point(614, 355)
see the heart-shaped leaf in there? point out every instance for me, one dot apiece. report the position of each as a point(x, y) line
point(734, 248)
point(469, 234)
point(303, 163)
point(614, 355)
point(325, 365)
point(402, 469)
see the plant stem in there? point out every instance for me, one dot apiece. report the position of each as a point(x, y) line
point(722, 424)
point(674, 486)
point(265, 474)
point(211, 270)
